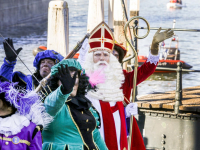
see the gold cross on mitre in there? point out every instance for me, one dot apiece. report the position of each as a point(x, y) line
point(101, 38)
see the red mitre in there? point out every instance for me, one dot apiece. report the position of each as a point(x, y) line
point(101, 38)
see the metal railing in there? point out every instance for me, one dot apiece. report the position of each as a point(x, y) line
point(179, 70)
point(174, 29)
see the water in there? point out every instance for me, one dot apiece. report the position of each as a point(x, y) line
point(157, 15)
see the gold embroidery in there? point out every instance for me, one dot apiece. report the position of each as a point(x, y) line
point(20, 141)
point(7, 61)
point(94, 129)
point(49, 88)
point(46, 91)
point(77, 127)
point(43, 93)
point(23, 81)
point(25, 142)
point(68, 100)
point(38, 127)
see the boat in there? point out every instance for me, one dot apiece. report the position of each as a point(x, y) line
point(169, 58)
point(175, 4)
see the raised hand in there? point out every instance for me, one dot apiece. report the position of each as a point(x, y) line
point(67, 81)
point(10, 55)
point(159, 37)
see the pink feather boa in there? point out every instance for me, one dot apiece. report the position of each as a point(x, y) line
point(96, 77)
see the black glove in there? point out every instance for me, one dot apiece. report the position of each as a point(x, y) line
point(10, 55)
point(67, 81)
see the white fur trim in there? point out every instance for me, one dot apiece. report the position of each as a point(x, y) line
point(38, 115)
point(153, 58)
point(109, 90)
point(13, 124)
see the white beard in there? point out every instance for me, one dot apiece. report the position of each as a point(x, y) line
point(108, 91)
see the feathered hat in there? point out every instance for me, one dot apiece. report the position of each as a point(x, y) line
point(101, 38)
point(21, 99)
point(26, 102)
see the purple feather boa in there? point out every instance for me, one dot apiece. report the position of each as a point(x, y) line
point(21, 99)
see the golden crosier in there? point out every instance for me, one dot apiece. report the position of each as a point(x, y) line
point(135, 64)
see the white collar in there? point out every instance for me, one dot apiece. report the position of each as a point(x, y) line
point(13, 124)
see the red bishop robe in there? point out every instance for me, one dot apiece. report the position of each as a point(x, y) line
point(109, 121)
point(144, 72)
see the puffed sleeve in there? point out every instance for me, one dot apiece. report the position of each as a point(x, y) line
point(7, 69)
point(36, 143)
point(54, 101)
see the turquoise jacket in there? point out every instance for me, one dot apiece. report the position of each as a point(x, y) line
point(63, 131)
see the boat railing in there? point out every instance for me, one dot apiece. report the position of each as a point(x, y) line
point(179, 70)
point(178, 95)
point(136, 28)
point(174, 29)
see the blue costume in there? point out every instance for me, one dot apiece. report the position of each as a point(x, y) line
point(27, 80)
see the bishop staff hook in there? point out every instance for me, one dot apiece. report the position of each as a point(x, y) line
point(134, 54)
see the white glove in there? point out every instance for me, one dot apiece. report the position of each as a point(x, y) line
point(131, 109)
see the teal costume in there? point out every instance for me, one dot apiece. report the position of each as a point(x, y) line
point(75, 125)
point(63, 131)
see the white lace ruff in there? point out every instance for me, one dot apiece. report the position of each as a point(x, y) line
point(110, 90)
point(13, 124)
point(153, 58)
point(39, 116)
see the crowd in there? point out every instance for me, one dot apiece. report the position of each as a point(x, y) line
point(85, 104)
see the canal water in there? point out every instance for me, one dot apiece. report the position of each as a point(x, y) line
point(32, 35)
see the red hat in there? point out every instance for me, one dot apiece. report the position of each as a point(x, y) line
point(101, 38)
point(121, 47)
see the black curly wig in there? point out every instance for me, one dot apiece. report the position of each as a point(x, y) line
point(38, 76)
point(120, 52)
point(52, 84)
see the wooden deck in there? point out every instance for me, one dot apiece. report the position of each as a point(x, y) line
point(190, 100)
